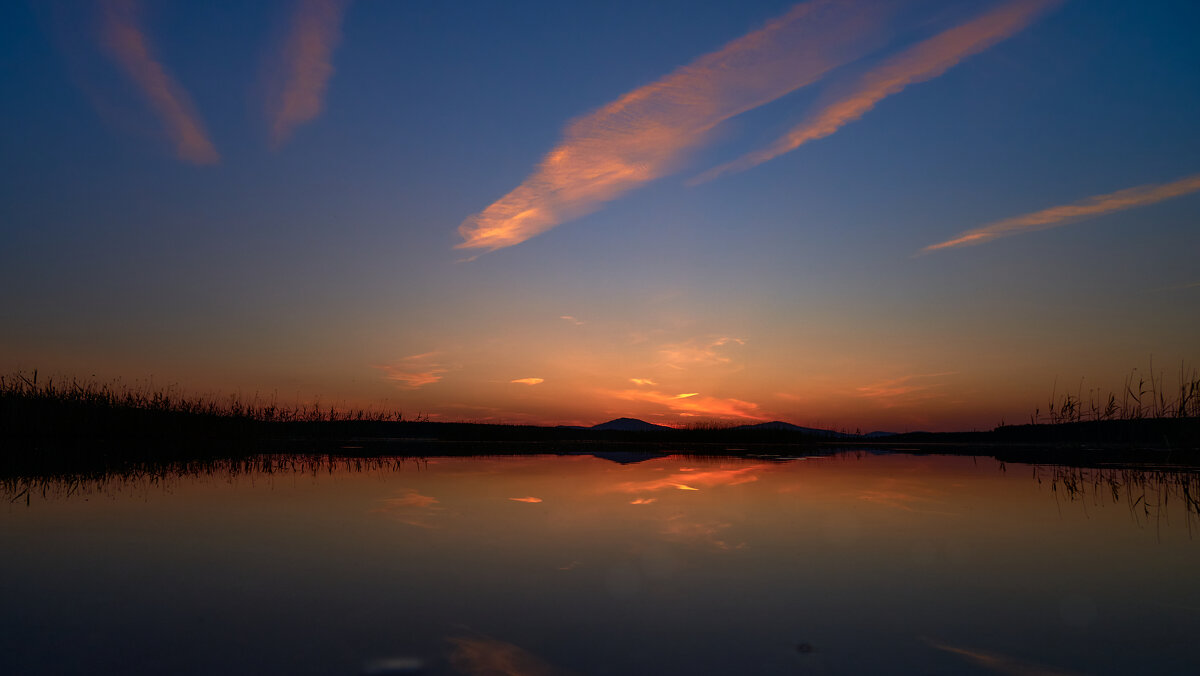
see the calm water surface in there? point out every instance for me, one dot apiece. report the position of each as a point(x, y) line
point(848, 564)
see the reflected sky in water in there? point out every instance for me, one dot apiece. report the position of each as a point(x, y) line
point(531, 565)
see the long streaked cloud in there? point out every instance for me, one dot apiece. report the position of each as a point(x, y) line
point(122, 36)
point(528, 381)
point(924, 61)
point(304, 66)
point(1091, 207)
point(643, 135)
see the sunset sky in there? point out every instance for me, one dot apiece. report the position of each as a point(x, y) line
point(900, 215)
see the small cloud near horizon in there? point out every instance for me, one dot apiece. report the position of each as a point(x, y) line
point(699, 352)
point(415, 371)
point(694, 403)
point(569, 318)
point(529, 499)
point(905, 389)
point(528, 381)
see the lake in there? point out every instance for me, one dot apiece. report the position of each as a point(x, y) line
point(855, 562)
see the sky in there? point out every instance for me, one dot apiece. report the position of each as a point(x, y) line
point(860, 214)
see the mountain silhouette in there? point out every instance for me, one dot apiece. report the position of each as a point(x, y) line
point(629, 425)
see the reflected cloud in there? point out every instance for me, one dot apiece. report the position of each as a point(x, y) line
point(679, 528)
point(998, 663)
point(694, 403)
point(528, 381)
point(924, 61)
point(643, 501)
point(122, 36)
point(303, 69)
point(1091, 207)
point(411, 509)
point(530, 499)
point(488, 657)
point(644, 134)
point(415, 371)
point(687, 480)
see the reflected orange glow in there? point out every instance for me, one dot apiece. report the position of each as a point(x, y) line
point(123, 38)
point(1001, 664)
point(925, 61)
point(1091, 207)
point(529, 499)
point(642, 135)
point(707, 478)
point(489, 657)
point(643, 501)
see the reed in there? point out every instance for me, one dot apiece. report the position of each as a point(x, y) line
point(1144, 396)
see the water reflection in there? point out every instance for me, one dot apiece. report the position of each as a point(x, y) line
point(849, 563)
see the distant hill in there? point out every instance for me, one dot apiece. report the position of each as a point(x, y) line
point(630, 425)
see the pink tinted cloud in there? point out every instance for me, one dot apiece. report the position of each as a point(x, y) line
point(644, 134)
point(924, 61)
point(304, 66)
point(123, 38)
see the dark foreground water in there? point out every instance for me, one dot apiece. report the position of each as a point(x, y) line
point(849, 564)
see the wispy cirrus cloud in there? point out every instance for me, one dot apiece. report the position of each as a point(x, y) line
point(530, 499)
point(642, 381)
point(644, 134)
point(415, 371)
point(699, 352)
point(302, 70)
point(693, 403)
point(918, 386)
point(122, 37)
point(1091, 207)
point(924, 61)
point(528, 381)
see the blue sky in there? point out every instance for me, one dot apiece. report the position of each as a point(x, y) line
point(324, 264)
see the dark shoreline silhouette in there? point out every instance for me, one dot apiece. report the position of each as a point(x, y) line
point(63, 427)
